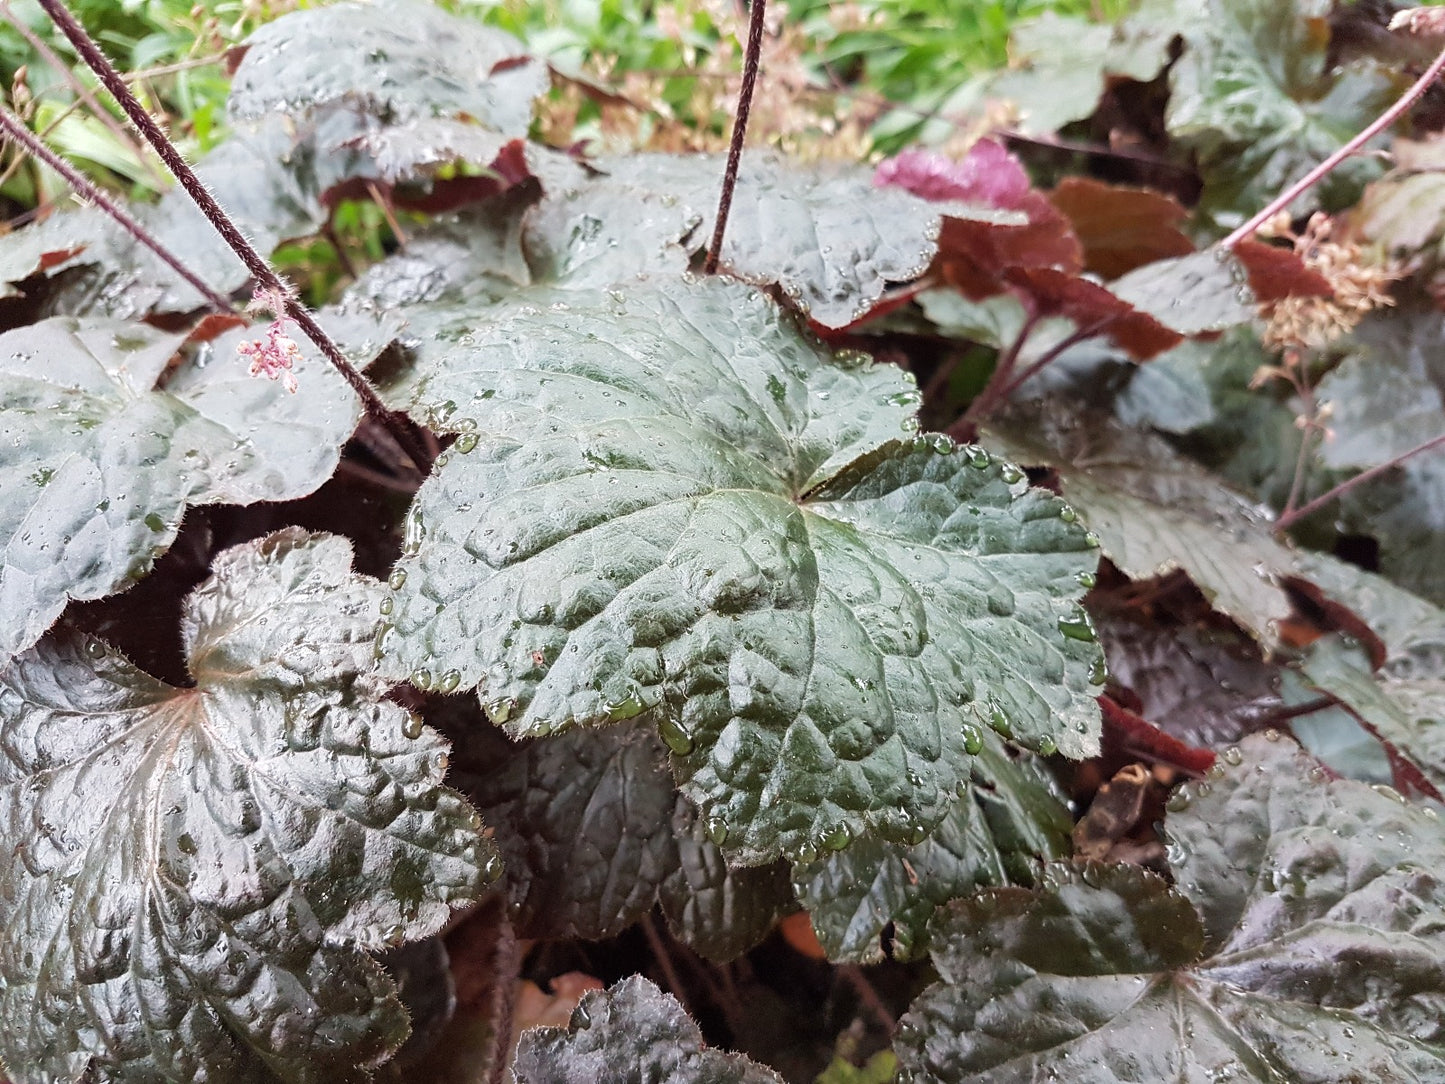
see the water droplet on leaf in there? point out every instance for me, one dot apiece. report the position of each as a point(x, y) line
point(676, 736)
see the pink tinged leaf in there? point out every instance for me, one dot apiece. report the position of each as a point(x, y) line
point(987, 174)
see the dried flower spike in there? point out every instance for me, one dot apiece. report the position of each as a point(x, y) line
point(276, 354)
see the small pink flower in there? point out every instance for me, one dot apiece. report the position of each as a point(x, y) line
point(273, 356)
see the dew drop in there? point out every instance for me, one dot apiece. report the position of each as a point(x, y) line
point(492, 867)
point(997, 719)
point(397, 580)
point(1068, 515)
point(581, 1019)
point(421, 678)
point(499, 711)
point(676, 736)
point(1233, 755)
point(807, 852)
point(449, 681)
point(95, 649)
point(1010, 473)
point(1086, 580)
point(972, 740)
point(414, 533)
point(1047, 746)
point(465, 443)
point(383, 631)
point(413, 726)
point(1178, 802)
point(837, 837)
point(1091, 540)
point(1077, 626)
point(1389, 792)
point(717, 830)
point(1098, 670)
point(386, 605)
point(977, 457)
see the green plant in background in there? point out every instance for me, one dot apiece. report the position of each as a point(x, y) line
point(557, 590)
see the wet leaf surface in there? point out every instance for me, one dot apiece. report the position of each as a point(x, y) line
point(1302, 938)
point(594, 835)
point(1014, 821)
point(398, 60)
point(632, 1032)
point(201, 868)
point(98, 465)
point(641, 513)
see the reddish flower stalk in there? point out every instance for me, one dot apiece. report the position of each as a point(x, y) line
point(265, 276)
point(740, 130)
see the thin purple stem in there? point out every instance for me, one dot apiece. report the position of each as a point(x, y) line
point(740, 129)
point(1052, 354)
point(15, 129)
point(1314, 176)
point(259, 267)
point(966, 428)
point(1289, 519)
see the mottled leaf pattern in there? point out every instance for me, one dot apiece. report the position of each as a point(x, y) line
point(198, 869)
point(1302, 942)
point(670, 501)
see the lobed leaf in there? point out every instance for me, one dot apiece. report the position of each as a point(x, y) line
point(98, 464)
point(429, 63)
point(1254, 97)
point(668, 500)
point(594, 835)
point(1302, 942)
point(1011, 821)
point(632, 1032)
point(198, 870)
point(825, 234)
point(1061, 65)
point(1155, 511)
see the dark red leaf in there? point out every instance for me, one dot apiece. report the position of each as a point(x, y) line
point(1091, 306)
point(1276, 273)
point(987, 174)
point(1130, 735)
point(1121, 227)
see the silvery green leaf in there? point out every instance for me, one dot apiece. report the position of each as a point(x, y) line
point(199, 870)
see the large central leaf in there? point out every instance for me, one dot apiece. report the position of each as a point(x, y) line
point(193, 871)
point(674, 501)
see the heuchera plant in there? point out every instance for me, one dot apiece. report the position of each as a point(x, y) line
point(658, 594)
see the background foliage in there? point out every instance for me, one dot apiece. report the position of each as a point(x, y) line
point(915, 653)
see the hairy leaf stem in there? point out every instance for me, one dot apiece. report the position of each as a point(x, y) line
point(259, 267)
point(15, 129)
point(965, 430)
point(1325, 168)
point(740, 129)
point(1289, 519)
